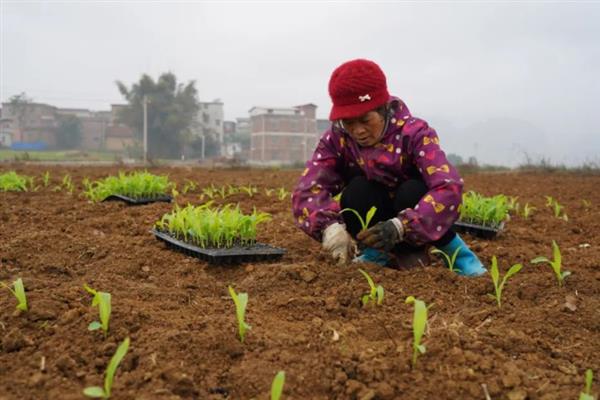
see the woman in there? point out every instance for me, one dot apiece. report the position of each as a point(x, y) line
point(377, 154)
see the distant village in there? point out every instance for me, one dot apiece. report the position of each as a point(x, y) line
point(267, 136)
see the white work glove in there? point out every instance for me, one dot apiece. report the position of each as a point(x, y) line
point(338, 242)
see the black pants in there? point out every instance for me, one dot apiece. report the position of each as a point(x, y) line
point(361, 194)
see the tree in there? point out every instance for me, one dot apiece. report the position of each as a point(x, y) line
point(68, 133)
point(19, 107)
point(172, 108)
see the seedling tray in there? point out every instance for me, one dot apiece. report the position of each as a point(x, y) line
point(234, 255)
point(481, 231)
point(140, 200)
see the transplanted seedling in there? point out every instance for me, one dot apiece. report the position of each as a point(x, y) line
point(18, 292)
point(587, 392)
point(450, 259)
point(102, 300)
point(364, 223)
point(46, 178)
point(499, 285)
point(528, 211)
point(282, 193)
point(375, 294)
point(556, 263)
point(241, 301)
point(419, 325)
point(104, 393)
point(277, 385)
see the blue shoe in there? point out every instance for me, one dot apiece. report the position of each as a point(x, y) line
point(466, 263)
point(370, 255)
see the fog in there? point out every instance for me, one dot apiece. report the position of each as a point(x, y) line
point(498, 81)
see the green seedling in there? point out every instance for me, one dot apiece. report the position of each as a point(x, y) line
point(376, 292)
point(209, 192)
point(449, 259)
point(419, 324)
point(528, 211)
point(134, 185)
point(174, 192)
point(269, 192)
point(103, 301)
point(282, 193)
point(556, 263)
point(204, 226)
point(68, 183)
point(512, 203)
point(549, 201)
point(364, 223)
point(189, 186)
point(249, 190)
point(241, 301)
point(485, 211)
point(231, 190)
point(46, 178)
point(277, 385)
point(13, 182)
point(18, 292)
point(587, 392)
point(586, 204)
point(499, 285)
point(104, 393)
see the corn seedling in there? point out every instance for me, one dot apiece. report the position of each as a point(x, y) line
point(189, 186)
point(586, 204)
point(513, 204)
point(450, 260)
point(209, 191)
point(249, 190)
point(102, 301)
point(376, 292)
point(269, 192)
point(499, 285)
point(241, 301)
point(587, 392)
point(556, 263)
point(204, 226)
point(109, 376)
point(485, 211)
point(282, 193)
point(419, 324)
point(231, 190)
point(528, 211)
point(277, 385)
point(46, 178)
point(549, 201)
point(67, 183)
point(222, 192)
point(18, 292)
point(134, 185)
point(13, 182)
point(364, 223)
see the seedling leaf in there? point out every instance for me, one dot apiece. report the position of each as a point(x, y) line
point(19, 293)
point(94, 326)
point(241, 301)
point(94, 391)
point(277, 385)
point(419, 324)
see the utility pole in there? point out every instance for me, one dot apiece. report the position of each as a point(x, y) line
point(145, 103)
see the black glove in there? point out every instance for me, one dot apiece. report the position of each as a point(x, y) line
point(383, 236)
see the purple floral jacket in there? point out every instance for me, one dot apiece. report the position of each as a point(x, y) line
point(409, 148)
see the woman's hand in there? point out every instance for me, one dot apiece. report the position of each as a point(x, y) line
point(383, 236)
point(338, 242)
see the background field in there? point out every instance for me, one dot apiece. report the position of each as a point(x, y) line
point(304, 310)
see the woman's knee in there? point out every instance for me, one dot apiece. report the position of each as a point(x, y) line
point(409, 193)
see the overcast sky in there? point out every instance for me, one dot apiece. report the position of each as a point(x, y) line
point(497, 80)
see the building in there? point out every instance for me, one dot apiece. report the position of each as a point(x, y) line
point(31, 123)
point(282, 136)
point(210, 119)
point(93, 126)
point(118, 136)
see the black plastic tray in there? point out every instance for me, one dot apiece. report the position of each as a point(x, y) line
point(140, 200)
point(234, 255)
point(485, 232)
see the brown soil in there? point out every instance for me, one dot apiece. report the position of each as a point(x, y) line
point(304, 310)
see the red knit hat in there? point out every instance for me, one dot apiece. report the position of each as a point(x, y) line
point(357, 87)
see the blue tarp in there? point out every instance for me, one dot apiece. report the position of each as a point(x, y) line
point(29, 146)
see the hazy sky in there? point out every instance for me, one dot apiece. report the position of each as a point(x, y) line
point(497, 80)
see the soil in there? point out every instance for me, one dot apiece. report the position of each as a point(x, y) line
point(305, 311)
